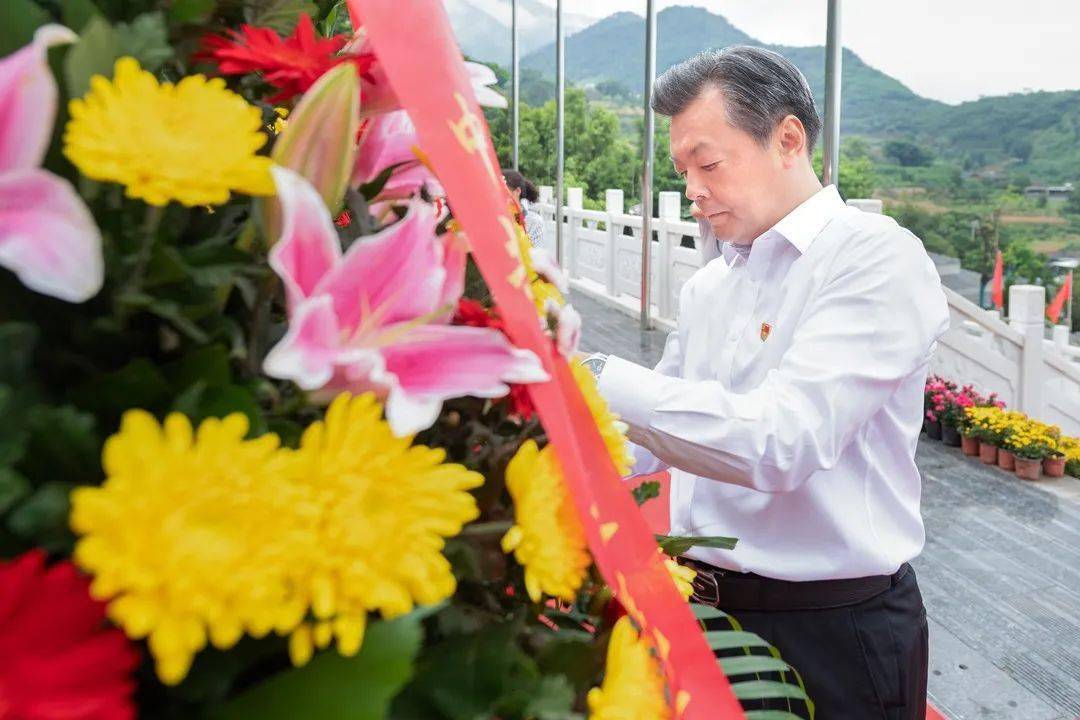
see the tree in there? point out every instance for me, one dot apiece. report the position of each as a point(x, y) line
point(1072, 205)
point(908, 154)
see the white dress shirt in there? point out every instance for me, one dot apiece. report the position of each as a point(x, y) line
point(789, 401)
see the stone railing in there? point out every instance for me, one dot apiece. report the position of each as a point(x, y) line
point(1015, 359)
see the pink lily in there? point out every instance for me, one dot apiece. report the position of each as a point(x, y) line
point(377, 317)
point(389, 140)
point(47, 235)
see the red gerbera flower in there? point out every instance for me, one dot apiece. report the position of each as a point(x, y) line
point(57, 657)
point(292, 64)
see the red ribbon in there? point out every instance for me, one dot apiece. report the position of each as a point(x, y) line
point(416, 49)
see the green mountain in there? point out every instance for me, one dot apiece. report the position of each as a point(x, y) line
point(1036, 133)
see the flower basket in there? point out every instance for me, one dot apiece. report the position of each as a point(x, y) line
point(970, 445)
point(1028, 468)
point(1006, 460)
point(988, 453)
point(1054, 466)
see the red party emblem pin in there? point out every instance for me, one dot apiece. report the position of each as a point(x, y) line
point(766, 328)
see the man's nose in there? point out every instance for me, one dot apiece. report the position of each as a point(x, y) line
point(695, 191)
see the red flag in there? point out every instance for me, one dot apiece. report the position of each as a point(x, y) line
point(997, 294)
point(415, 47)
point(1053, 311)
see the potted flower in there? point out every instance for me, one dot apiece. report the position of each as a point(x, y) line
point(934, 397)
point(980, 430)
point(1054, 462)
point(1031, 445)
point(1004, 426)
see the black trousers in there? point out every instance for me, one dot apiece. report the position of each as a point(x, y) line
point(861, 662)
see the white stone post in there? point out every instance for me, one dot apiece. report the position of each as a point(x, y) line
point(614, 204)
point(668, 208)
point(1061, 336)
point(1027, 307)
point(575, 200)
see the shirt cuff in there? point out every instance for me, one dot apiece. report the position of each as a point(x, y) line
point(631, 391)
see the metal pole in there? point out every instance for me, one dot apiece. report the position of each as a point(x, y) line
point(647, 165)
point(515, 82)
point(1068, 310)
point(830, 154)
point(560, 127)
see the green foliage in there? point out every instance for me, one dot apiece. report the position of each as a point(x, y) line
point(908, 154)
point(332, 686)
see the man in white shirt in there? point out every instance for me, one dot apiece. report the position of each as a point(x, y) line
point(789, 401)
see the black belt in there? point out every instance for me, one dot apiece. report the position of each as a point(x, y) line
point(731, 591)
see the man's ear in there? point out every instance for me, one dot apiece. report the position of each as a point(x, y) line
point(790, 138)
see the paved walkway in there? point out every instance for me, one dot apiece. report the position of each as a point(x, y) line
point(1000, 573)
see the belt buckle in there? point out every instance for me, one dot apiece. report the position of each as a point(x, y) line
point(701, 587)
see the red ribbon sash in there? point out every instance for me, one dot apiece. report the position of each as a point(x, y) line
point(416, 49)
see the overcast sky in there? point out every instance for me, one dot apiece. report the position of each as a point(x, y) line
point(951, 50)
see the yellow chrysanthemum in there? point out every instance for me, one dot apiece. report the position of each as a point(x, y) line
point(200, 535)
point(633, 687)
point(193, 142)
point(384, 508)
point(182, 536)
point(547, 538)
point(681, 575)
point(611, 429)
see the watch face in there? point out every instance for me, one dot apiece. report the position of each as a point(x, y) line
point(594, 365)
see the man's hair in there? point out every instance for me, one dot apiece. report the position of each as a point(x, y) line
point(760, 88)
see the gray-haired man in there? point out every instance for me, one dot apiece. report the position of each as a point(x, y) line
point(789, 401)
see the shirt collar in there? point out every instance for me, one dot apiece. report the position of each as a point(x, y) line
point(800, 226)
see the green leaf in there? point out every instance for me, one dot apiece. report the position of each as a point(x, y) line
point(42, 518)
point(62, 442)
point(766, 690)
point(331, 686)
point(281, 15)
point(222, 401)
point(12, 432)
point(572, 655)
point(728, 639)
point(146, 39)
point(139, 384)
point(646, 491)
point(551, 700)
point(209, 365)
point(13, 488)
point(18, 21)
point(194, 12)
point(752, 664)
point(675, 545)
point(19, 341)
point(94, 54)
point(77, 14)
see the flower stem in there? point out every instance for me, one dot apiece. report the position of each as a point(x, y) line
point(497, 527)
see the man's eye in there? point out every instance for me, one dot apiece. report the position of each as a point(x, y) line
point(710, 166)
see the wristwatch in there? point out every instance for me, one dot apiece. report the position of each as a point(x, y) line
point(595, 364)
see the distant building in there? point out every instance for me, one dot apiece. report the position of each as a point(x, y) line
point(956, 278)
point(1052, 193)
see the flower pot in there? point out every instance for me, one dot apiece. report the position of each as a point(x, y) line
point(1006, 460)
point(950, 435)
point(933, 429)
point(1054, 466)
point(988, 453)
point(969, 445)
point(1028, 469)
